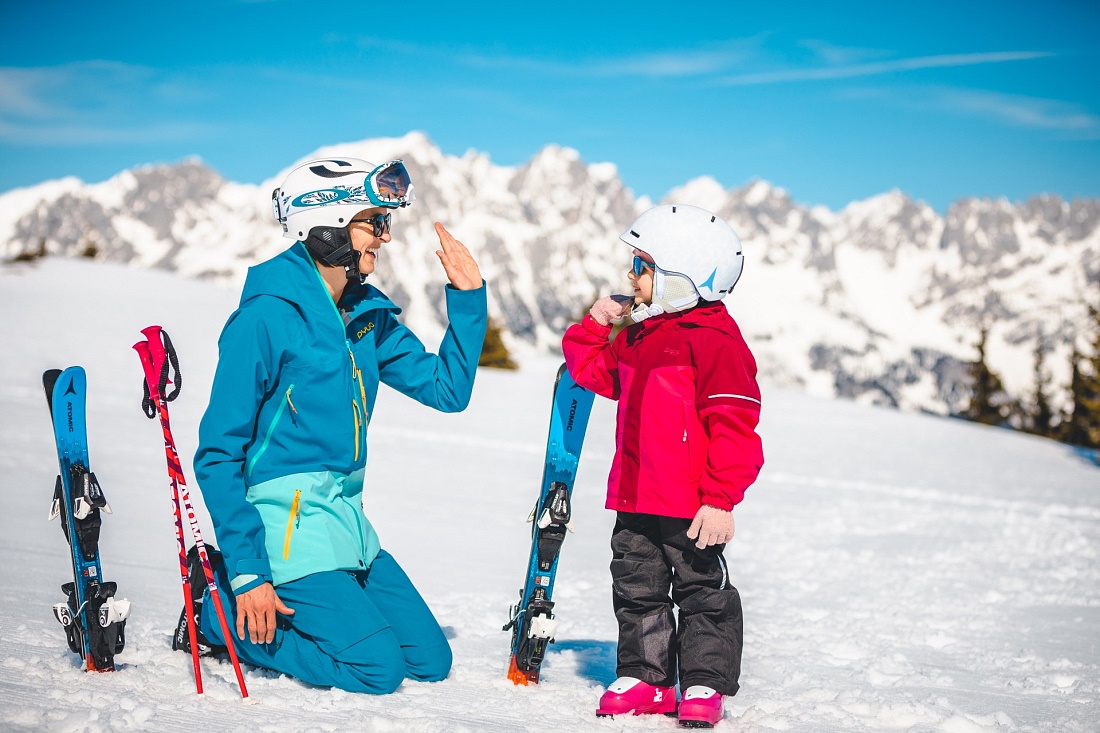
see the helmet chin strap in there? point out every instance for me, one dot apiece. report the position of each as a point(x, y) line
point(331, 246)
point(351, 268)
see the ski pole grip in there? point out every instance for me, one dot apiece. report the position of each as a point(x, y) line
point(142, 349)
point(148, 405)
point(156, 349)
point(163, 356)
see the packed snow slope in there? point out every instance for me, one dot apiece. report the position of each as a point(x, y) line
point(899, 572)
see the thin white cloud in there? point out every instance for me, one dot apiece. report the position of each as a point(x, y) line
point(89, 102)
point(717, 58)
point(663, 65)
point(1036, 113)
point(832, 55)
point(63, 135)
point(880, 67)
point(1020, 111)
point(18, 97)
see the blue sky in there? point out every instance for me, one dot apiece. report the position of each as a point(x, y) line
point(832, 101)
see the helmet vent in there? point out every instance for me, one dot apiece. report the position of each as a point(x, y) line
point(673, 209)
point(712, 220)
point(324, 172)
point(636, 235)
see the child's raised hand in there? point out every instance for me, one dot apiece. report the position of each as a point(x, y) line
point(608, 308)
point(713, 526)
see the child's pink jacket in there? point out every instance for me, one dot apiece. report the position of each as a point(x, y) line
point(688, 409)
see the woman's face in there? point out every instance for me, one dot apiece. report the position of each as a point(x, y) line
point(643, 284)
point(363, 240)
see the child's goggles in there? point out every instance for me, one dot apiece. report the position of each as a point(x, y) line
point(389, 185)
point(641, 265)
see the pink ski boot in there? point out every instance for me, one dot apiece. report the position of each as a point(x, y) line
point(701, 707)
point(631, 695)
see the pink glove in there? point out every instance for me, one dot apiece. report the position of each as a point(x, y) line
point(607, 309)
point(713, 526)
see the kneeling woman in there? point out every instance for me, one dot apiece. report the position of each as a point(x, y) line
point(282, 446)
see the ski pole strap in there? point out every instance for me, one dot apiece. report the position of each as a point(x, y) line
point(147, 405)
point(173, 360)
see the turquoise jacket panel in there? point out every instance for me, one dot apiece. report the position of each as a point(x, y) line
point(283, 442)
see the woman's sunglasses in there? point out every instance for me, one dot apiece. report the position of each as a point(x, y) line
point(641, 266)
point(379, 222)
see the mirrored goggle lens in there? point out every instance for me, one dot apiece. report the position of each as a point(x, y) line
point(641, 265)
point(391, 182)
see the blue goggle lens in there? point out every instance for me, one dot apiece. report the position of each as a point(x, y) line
point(641, 266)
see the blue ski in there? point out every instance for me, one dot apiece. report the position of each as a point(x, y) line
point(93, 618)
point(532, 619)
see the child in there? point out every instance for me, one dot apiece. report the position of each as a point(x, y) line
point(686, 450)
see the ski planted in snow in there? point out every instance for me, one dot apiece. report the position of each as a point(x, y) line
point(94, 620)
point(532, 619)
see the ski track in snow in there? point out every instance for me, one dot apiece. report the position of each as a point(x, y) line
point(899, 572)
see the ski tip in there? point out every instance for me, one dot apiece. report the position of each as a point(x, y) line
point(49, 379)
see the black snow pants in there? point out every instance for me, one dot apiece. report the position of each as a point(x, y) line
point(652, 555)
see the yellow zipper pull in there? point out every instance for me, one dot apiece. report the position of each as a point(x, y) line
point(363, 396)
point(355, 412)
point(292, 522)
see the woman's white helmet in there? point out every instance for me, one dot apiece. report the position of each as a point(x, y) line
point(328, 193)
point(318, 199)
point(692, 242)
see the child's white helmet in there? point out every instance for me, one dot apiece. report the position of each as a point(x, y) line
point(692, 242)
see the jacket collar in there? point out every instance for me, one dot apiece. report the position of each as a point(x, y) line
point(292, 276)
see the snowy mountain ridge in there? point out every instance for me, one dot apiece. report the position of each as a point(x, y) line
point(881, 301)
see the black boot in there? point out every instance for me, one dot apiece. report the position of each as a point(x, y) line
point(181, 641)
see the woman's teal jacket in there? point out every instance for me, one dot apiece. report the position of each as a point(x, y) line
point(283, 443)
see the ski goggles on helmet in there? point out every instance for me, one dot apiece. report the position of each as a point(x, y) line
point(641, 265)
point(389, 185)
point(380, 223)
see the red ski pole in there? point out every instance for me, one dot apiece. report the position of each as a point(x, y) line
point(157, 356)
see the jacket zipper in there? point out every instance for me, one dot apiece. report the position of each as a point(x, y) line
point(292, 522)
point(358, 411)
point(355, 414)
point(271, 428)
point(358, 374)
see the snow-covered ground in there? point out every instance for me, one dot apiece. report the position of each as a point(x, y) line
point(899, 572)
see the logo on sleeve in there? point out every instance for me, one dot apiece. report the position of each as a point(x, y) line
point(364, 330)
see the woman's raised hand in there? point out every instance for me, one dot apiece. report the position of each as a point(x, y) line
point(462, 271)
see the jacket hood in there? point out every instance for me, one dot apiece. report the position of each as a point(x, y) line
point(292, 276)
